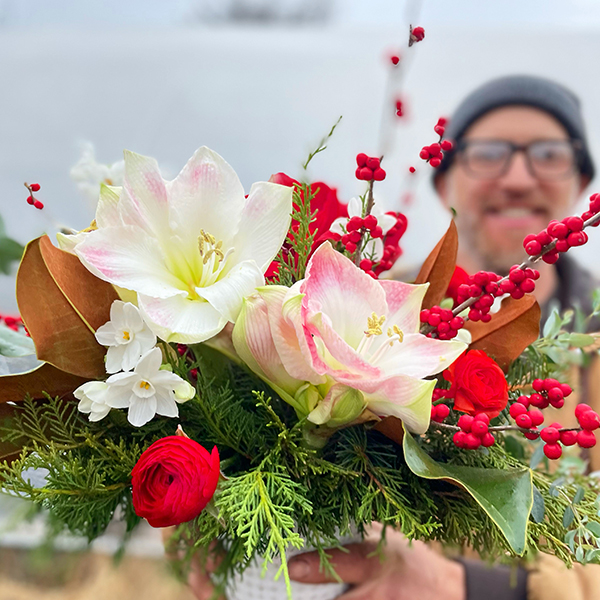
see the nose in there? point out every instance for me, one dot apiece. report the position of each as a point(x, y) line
point(518, 177)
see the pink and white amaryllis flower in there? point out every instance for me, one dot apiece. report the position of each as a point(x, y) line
point(342, 331)
point(191, 248)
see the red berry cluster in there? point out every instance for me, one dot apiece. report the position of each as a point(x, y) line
point(14, 323)
point(434, 153)
point(391, 241)
point(369, 168)
point(445, 324)
point(31, 199)
point(474, 432)
point(399, 108)
point(483, 285)
point(439, 412)
point(416, 35)
point(520, 281)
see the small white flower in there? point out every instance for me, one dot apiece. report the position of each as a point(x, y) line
point(126, 335)
point(148, 390)
point(92, 399)
point(89, 174)
point(386, 222)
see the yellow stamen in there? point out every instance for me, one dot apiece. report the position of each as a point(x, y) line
point(126, 335)
point(144, 385)
point(374, 324)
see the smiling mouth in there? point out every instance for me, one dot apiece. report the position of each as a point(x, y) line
point(517, 214)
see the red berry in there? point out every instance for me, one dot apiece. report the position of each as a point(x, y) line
point(459, 439)
point(568, 438)
point(30, 200)
point(589, 420)
point(424, 316)
point(562, 246)
point(443, 411)
point(366, 264)
point(488, 440)
point(38, 205)
point(446, 314)
point(435, 162)
point(532, 434)
point(354, 224)
point(558, 230)
point(377, 232)
point(574, 223)
point(523, 421)
point(524, 400)
point(465, 422)
point(566, 389)
point(370, 221)
point(474, 314)
point(439, 130)
point(435, 149)
point(442, 121)
point(528, 286)
point(435, 320)
point(379, 174)
point(517, 409)
point(411, 169)
point(533, 248)
point(446, 145)
point(553, 451)
point(424, 154)
point(580, 409)
point(517, 294)
point(551, 257)
point(577, 238)
point(457, 323)
point(517, 275)
point(351, 247)
point(373, 163)
point(443, 327)
point(395, 59)
point(472, 442)
point(479, 428)
point(35, 187)
point(361, 159)
point(586, 439)
point(483, 418)
point(538, 400)
point(418, 33)
point(507, 286)
point(536, 416)
point(550, 435)
point(366, 174)
point(538, 385)
point(555, 394)
point(354, 237)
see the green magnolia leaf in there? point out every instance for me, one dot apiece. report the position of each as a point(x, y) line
point(10, 252)
point(14, 344)
point(506, 496)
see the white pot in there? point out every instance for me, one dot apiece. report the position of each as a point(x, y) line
point(252, 586)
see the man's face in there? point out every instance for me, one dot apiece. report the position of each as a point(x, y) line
point(494, 214)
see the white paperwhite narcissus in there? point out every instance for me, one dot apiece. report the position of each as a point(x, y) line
point(386, 222)
point(92, 399)
point(126, 335)
point(191, 248)
point(89, 174)
point(148, 390)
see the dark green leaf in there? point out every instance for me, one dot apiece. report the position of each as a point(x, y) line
point(537, 457)
point(514, 447)
point(506, 496)
point(568, 517)
point(578, 495)
point(10, 251)
point(539, 506)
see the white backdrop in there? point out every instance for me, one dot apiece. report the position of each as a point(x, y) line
point(260, 97)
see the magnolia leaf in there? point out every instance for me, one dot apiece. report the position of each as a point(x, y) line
point(392, 428)
point(439, 266)
point(511, 330)
point(13, 343)
point(10, 251)
point(43, 379)
point(61, 304)
point(505, 495)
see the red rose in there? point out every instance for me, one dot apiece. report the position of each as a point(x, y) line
point(173, 481)
point(327, 206)
point(478, 384)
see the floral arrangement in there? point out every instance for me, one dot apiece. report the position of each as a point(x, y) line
point(238, 366)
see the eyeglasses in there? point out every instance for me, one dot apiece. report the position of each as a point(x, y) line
point(545, 159)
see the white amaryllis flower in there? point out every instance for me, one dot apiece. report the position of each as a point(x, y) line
point(191, 248)
point(386, 222)
point(92, 399)
point(89, 174)
point(148, 390)
point(126, 335)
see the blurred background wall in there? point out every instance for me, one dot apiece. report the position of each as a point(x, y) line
point(260, 82)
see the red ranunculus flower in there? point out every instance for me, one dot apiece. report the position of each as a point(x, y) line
point(478, 384)
point(327, 206)
point(173, 481)
point(459, 277)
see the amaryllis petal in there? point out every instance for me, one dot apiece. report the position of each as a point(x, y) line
point(420, 356)
point(129, 258)
point(207, 194)
point(107, 211)
point(265, 220)
point(226, 295)
point(179, 319)
point(404, 303)
point(406, 398)
point(346, 294)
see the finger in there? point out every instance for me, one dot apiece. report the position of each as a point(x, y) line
point(355, 565)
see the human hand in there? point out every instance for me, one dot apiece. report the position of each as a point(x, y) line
point(407, 571)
